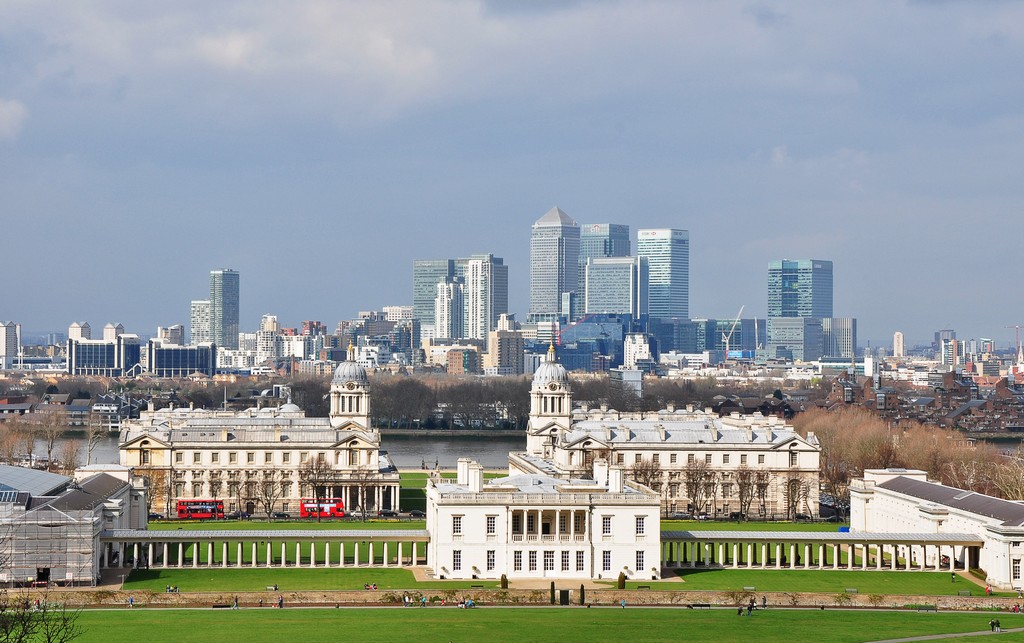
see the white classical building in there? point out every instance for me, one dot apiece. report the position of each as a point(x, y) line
point(775, 467)
point(262, 456)
point(538, 526)
point(900, 501)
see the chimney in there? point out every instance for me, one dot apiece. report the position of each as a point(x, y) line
point(601, 471)
point(476, 477)
point(671, 407)
point(462, 471)
point(615, 480)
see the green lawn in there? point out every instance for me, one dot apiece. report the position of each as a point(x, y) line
point(285, 525)
point(827, 581)
point(519, 624)
point(288, 579)
point(733, 525)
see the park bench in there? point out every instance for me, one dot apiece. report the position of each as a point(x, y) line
point(476, 586)
point(643, 586)
point(749, 589)
point(851, 590)
point(963, 592)
point(221, 606)
point(700, 606)
point(927, 608)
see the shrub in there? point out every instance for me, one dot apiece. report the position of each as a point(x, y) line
point(552, 592)
point(621, 584)
point(842, 598)
point(504, 581)
point(876, 599)
point(583, 595)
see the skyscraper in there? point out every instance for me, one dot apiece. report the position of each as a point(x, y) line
point(554, 263)
point(616, 285)
point(449, 308)
point(668, 255)
point(224, 314)
point(426, 274)
point(898, 347)
point(800, 288)
point(486, 294)
point(10, 343)
point(600, 240)
point(199, 322)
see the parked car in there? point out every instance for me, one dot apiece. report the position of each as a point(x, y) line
point(801, 517)
point(702, 516)
point(156, 516)
point(387, 513)
point(680, 515)
point(281, 514)
point(737, 515)
point(416, 513)
point(237, 515)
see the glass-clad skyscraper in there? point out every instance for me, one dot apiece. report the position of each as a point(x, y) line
point(616, 285)
point(426, 274)
point(668, 254)
point(800, 288)
point(224, 312)
point(554, 263)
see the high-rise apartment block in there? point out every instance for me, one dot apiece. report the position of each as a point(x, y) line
point(616, 285)
point(449, 308)
point(10, 343)
point(224, 308)
point(800, 288)
point(554, 263)
point(668, 254)
point(486, 294)
point(199, 322)
point(898, 347)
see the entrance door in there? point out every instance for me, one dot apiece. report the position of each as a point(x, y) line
point(43, 574)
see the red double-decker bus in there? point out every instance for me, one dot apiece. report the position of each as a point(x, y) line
point(201, 509)
point(325, 508)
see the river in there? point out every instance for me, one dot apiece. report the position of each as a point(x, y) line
point(405, 452)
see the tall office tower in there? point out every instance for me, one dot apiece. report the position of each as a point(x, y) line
point(79, 331)
point(839, 337)
point(554, 263)
point(942, 336)
point(449, 309)
point(486, 294)
point(800, 288)
point(224, 286)
point(426, 274)
point(668, 254)
point(171, 335)
point(10, 343)
point(199, 322)
point(602, 240)
point(616, 285)
point(898, 348)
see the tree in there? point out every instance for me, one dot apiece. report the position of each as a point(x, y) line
point(50, 425)
point(268, 491)
point(68, 455)
point(695, 476)
point(364, 479)
point(762, 484)
point(648, 473)
point(316, 473)
point(21, 620)
point(746, 487)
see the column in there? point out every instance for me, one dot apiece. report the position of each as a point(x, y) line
point(270, 555)
point(399, 545)
point(721, 554)
point(735, 555)
point(238, 551)
point(764, 555)
point(312, 553)
point(369, 558)
point(341, 554)
point(298, 554)
point(892, 557)
point(254, 553)
point(572, 525)
point(792, 555)
point(864, 559)
point(907, 559)
point(166, 560)
point(558, 530)
point(952, 559)
point(879, 552)
point(750, 555)
point(852, 552)
point(120, 554)
point(327, 554)
point(807, 555)
point(195, 554)
point(821, 555)
point(181, 553)
point(135, 554)
point(778, 555)
point(223, 556)
point(284, 555)
point(385, 546)
point(149, 555)
point(707, 554)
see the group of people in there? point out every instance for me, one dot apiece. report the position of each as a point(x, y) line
point(171, 589)
point(369, 585)
point(994, 625)
point(752, 605)
point(409, 602)
point(467, 602)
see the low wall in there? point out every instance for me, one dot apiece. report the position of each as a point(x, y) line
point(524, 597)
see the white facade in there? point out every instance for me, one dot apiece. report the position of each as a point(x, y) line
point(537, 526)
point(10, 343)
point(904, 501)
point(199, 322)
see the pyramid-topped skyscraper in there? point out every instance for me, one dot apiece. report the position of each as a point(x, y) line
point(554, 263)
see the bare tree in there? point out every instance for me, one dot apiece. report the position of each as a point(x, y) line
point(648, 473)
point(1008, 477)
point(762, 484)
point(21, 620)
point(695, 476)
point(68, 455)
point(365, 478)
point(797, 494)
point(746, 488)
point(316, 473)
point(269, 491)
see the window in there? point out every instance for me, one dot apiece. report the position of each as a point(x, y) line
point(562, 522)
point(286, 457)
point(321, 457)
point(490, 560)
point(233, 457)
point(760, 458)
point(303, 456)
point(606, 524)
point(671, 458)
point(268, 457)
point(179, 457)
point(577, 520)
point(725, 458)
point(517, 523)
point(640, 561)
point(517, 561)
point(530, 520)
point(673, 489)
point(707, 458)
point(1015, 569)
point(549, 561)
point(620, 458)
point(215, 457)
point(656, 458)
point(456, 560)
point(689, 458)
point(743, 458)
point(792, 458)
point(250, 458)
point(284, 506)
point(457, 525)
point(726, 490)
point(637, 458)
point(606, 561)
point(197, 457)
point(565, 561)
point(197, 489)
point(492, 525)
point(179, 488)
point(580, 561)
point(640, 525)
point(533, 561)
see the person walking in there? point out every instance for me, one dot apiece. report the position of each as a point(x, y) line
point(280, 602)
point(750, 607)
point(234, 605)
point(992, 624)
point(131, 601)
point(764, 601)
point(999, 628)
point(952, 577)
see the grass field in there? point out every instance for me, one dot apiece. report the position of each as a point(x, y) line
point(732, 525)
point(520, 624)
point(827, 581)
point(288, 579)
point(284, 525)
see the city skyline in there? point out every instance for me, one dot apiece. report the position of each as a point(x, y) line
point(227, 135)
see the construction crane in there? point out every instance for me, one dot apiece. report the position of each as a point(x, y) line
point(726, 338)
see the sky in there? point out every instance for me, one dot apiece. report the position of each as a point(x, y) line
point(320, 147)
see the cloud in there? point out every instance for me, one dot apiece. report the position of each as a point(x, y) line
point(13, 115)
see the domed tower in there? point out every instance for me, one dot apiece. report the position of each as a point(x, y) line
point(550, 406)
point(350, 393)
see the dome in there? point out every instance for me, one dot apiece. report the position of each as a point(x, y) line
point(349, 371)
point(549, 372)
point(290, 408)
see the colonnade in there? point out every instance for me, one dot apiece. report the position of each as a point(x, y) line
point(764, 552)
point(551, 525)
point(273, 549)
